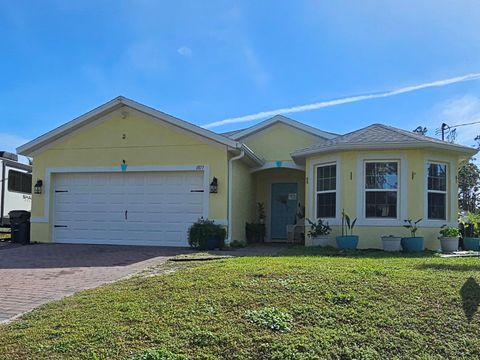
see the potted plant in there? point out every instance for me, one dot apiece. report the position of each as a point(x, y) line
point(391, 243)
point(471, 231)
point(319, 233)
point(346, 241)
point(449, 238)
point(413, 243)
point(205, 235)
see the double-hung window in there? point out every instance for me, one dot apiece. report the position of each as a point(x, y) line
point(437, 191)
point(381, 189)
point(326, 191)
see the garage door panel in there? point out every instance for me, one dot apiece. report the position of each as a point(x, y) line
point(160, 205)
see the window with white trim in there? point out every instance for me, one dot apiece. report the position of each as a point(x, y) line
point(381, 189)
point(326, 191)
point(437, 191)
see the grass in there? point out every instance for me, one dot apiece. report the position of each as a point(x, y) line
point(305, 304)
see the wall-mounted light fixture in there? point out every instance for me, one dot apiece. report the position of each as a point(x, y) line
point(214, 186)
point(37, 189)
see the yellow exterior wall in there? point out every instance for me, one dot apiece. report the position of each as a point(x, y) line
point(416, 173)
point(276, 142)
point(263, 188)
point(147, 142)
point(243, 199)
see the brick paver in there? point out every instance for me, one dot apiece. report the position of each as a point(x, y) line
point(36, 274)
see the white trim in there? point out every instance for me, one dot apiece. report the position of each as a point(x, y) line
point(316, 191)
point(284, 120)
point(402, 190)
point(116, 169)
point(113, 105)
point(274, 165)
point(449, 201)
point(312, 181)
point(384, 145)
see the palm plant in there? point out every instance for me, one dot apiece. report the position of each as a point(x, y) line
point(347, 224)
point(412, 226)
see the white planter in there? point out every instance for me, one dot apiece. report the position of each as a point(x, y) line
point(392, 243)
point(449, 244)
point(322, 240)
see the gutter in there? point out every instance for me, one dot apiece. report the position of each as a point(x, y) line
point(230, 194)
point(420, 145)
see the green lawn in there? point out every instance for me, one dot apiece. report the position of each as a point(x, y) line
point(307, 304)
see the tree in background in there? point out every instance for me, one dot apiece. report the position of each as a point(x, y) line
point(468, 186)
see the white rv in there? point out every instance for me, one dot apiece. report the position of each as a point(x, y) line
point(15, 186)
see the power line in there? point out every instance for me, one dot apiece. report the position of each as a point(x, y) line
point(466, 124)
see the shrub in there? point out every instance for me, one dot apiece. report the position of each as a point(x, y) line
point(203, 230)
point(270, 318)
point(158, 354)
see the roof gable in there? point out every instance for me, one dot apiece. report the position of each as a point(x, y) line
point(115, 104)
point(241, 134)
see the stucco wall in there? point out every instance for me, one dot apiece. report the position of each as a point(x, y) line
point(243, 199)
point(147, 142)
point(412, 193)
point(278, 141)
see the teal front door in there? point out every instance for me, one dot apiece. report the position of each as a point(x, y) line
point(283, 209)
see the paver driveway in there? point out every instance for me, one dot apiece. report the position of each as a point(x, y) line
point(36, 274)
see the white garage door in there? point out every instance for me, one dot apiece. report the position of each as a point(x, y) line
point(136, 208)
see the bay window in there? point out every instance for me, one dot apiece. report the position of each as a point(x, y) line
point(437, 191)
point(326, 191)
point(381, 189)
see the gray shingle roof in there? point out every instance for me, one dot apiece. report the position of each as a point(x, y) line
point(378, 135)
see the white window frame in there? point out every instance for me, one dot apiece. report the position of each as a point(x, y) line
point(312, 183)
point(402, 199)
point(316, 192)
point(427, 191)
point(365, 190)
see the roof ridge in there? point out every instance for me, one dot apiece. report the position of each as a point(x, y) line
point(411, 134)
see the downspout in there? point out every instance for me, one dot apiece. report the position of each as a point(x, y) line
point(230, 194)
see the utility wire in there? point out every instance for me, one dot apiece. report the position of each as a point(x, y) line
point(466, 124)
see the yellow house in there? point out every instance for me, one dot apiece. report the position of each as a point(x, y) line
point(125, 173)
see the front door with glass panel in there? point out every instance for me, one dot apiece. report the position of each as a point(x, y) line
point(283, 209)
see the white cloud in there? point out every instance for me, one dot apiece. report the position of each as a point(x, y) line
point(185, 51)
point(457, 111)
point(345, 100)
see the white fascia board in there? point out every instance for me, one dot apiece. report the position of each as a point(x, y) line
point(113, 105)
point(385, 146)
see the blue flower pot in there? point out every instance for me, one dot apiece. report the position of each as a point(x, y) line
point(413, 244)
point(470, 243)
point(347, 242)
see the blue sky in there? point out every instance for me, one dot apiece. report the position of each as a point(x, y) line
point(205, 61)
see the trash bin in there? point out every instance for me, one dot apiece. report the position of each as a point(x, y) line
point(20, 226)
